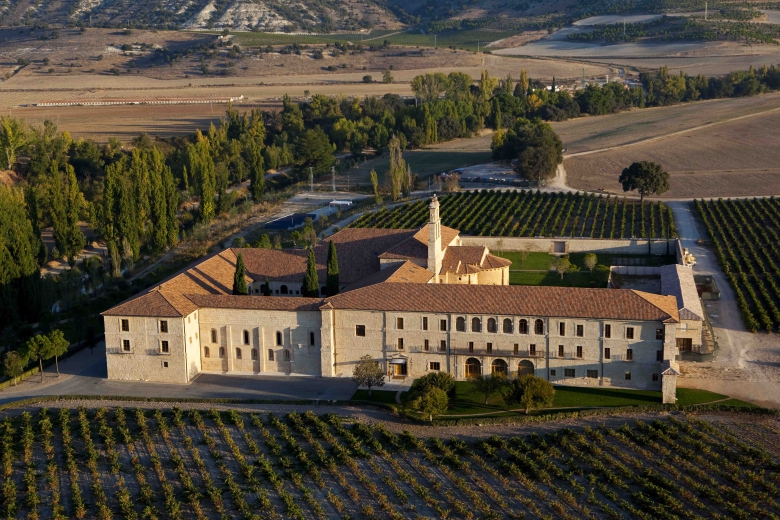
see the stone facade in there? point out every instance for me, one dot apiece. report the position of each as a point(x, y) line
point(564, 245)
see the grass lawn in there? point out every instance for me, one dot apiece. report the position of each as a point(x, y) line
point(532, 262)
point(377, 396)
point(686, 396)
point(576, 396)
point(423, 163)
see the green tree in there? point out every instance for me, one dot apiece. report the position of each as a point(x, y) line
point(38, 348)
point(65, 205)
point(13, 137)
point(428, 87)
point(311, 283)
point(314, 150)
point(368, 373)
point(201, 167)
point(254, 153)
point(530, 392)
point(58, 346)
point(375, 184)
point(563, 265)
point(602, 273)
point(31, 201)
point(387, 77)
point(397, 170)
point(332, 281)
point(264, 242)
point(431, 401)
point(590, 261)
point(13, 364)
point(536, 147)
point(267, 287)
point(440, 380)
point(648, 178)
point(489, 385)
point(239, 277)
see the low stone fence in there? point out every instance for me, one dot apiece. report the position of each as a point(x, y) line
point(635, 270)
point(565, 245)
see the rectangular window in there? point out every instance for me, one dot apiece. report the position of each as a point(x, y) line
point(434, 365)
point(607, 331)
point(552, 372)
point(532, 349)
point(655, 377)
point(165, 364)
point(568, 372)
point(126, 345)
point(607, 353)
point(560, 350)
point(471, 346)
point(125, 325)
point(443, 345)
point(629, 332)
point(562, 329)
point(517, 348)
point(629, 354)
point(593, 374)
point(164, 347)
point(580, 331)
point(360, 330)
point(425, 323)
point(400, 343)
point(399, 323)
point(659, 355)
point(628, 376)
point(659, 334)
point(490, 347)
point(163, 326)
point(443, 325)
point(246, 337)
point(426, 345)
point(579, 351)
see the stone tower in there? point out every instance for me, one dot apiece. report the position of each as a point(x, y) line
point(435, 252)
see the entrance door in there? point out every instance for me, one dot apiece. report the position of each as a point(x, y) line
point(473, 368)
point(399, 370)
point(684, 344)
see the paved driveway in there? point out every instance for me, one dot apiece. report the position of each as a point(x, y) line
point(92, 381)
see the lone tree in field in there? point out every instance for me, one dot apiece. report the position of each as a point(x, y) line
point(59, 346)
point(332, 281)
point(239, 278)
point(563, 265)
point(489, 385)
point(530, 392)
point(432, 401)
point(311, 283)
point(13, 365)
point(368, 372)
point(590, 261)
point(647, 178)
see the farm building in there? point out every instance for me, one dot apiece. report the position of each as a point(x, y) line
point(416, 300)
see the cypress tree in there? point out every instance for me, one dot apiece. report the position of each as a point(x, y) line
point(311, 284)
point(239, 279)
point(257, 172)
point(31, 200)
point(267, 287)
point(172, 205)
point(332, 281)
point(159, 212)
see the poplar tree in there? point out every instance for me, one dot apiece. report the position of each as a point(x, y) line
point(108, 214)
point(254, 155)
point(239, 278)
point(65, 205)
point(172, 205)
point(31, 200)
point(159, 212)
point(332, 281)
point(202, 169)
point(311, 283)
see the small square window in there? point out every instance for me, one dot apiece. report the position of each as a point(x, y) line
point(659, 334)
point(164, 347)
point(629, 332)
point(425, 323)
point(568, 372)
point(593, 374)
point(165, 364)
point(580, 331)
point(552, 372)
point(360, 330)
point(125, 325)
point(579, 351)
point(443, 325)
point(399, 323)
point(163, 326)
point(435, 365)
point(126, 345)
point(628, 376)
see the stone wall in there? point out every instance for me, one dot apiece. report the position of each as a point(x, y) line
point(574, 245)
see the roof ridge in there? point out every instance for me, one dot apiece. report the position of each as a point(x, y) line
point(159, 290)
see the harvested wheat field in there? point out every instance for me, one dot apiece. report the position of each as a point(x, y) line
point(737, 158)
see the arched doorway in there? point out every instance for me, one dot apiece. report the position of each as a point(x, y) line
point(283, 289)
point(525, 368)
point(473, 368)
point(499, 368)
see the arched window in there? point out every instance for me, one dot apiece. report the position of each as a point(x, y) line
point(539, 327)
point(507, 326)
point(278, 338)
point(311, 339)
point(254, 353)
point(283, 289)
point(246, 337)
point(270, 354)
point(206, 352)
point(287, 355)
point(238, 353)
point(499, 368)
point(213, 335)
point(492, 325)
point(460, 324)
point(221, 352)
point(522, 327)
point(476, 325)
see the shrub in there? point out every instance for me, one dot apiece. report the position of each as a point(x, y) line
point(368, 79)
point(440, 380)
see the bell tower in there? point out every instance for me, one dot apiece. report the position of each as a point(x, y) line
point(435, 252)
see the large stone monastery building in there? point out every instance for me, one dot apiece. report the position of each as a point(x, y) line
point(415, 300)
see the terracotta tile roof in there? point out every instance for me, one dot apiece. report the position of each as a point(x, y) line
point(508, 300)
point(470, 259)
point(406, 272)
point(150, 304)
point(667, 304)
point(415, 247)
point(677, 280)
point(493, 262)
point(265, 303)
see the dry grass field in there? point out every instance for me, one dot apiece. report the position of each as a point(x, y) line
point(732, 159)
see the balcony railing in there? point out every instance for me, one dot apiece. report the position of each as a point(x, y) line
point(497, 352)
